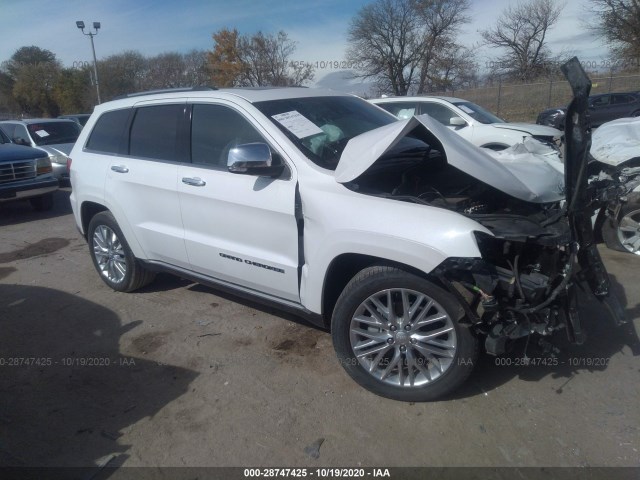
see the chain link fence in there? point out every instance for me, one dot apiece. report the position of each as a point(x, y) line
point(523, 102)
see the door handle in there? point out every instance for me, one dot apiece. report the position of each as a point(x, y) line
point(194, 182)
point(119, 168)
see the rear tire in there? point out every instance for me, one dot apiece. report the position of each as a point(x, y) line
point(43, 203)
point(415, 351)
point(112, 257)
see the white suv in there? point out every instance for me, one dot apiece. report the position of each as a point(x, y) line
point(472, 122)
point(414, 247)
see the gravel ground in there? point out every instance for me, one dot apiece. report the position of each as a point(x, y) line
point(179, 374)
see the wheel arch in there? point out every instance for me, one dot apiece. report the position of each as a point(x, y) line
point(88, 210)
point(346, 266)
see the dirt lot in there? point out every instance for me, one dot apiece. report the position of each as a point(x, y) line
point(178, 374)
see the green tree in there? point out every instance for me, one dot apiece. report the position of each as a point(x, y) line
point(122, 73)
point(73, 91)
point(33, 72)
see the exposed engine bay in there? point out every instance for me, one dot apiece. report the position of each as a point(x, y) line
point(540, 251)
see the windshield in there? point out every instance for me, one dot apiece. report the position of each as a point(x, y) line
point(50, 133)
point(321, 126)
point(478, 113)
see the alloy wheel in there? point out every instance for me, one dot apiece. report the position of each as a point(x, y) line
point(109, 254)
point(403, 337)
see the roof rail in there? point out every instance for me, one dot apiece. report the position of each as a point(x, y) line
point(165, 90)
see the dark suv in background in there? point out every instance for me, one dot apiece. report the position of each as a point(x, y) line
point(602, 108)
point(55, 136)
point(25, 174)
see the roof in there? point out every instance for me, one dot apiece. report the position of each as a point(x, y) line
point(30, 121)
point(270, 93)
point(419, 99)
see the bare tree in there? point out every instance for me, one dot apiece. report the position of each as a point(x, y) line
point(195, 68)
point(521, 31)
point(386, 40)
point(454, 68)
point(618, 21)
point(403, 44)
point(441, 20)
point(256, 61)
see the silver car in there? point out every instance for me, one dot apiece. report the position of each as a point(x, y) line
point(54, 136)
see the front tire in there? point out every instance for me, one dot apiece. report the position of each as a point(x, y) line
point(623, 234)
point(399, 335)
point(112, 257)
point(628, 233)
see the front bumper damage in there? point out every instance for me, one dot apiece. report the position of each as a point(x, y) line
point(526, 282)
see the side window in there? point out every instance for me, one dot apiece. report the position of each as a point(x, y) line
point(8, 129)
point(439, 112)
point(215, 130)
point(621, 99)
point(21, 132)
point(602, 101)
point(108, 130)
point(402, 110)
point(154, 132)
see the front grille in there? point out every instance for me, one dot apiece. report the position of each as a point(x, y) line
point(15, 171)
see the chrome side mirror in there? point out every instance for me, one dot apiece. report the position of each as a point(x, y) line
point(254, 159)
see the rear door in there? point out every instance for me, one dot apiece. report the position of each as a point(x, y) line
point(238, 228)
point(141, 185)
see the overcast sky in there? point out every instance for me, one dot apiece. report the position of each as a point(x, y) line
point(154, 26)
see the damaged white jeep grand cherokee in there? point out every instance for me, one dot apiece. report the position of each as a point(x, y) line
point(412, 245)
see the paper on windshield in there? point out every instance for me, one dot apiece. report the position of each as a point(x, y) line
point(297, 124)
point(42, 133)
point(464, 108)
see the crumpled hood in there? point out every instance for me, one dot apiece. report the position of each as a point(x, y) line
point(57, 149)
point(11, 153)
point(533, 182)
point(530, 128)
point(616, 141)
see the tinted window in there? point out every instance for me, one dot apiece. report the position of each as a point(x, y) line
point(621, 99)
point(215, 130)
point(600, 101)
point(402, 110)
point(154, 132)
point(51, 133)
point(107, 132)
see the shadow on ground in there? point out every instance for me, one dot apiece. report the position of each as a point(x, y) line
point(603, 340)
point(20, 211)
point(66, 393)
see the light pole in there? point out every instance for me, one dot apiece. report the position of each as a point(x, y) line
point(96, 26)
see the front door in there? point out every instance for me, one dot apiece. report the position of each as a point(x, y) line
point(238, 228)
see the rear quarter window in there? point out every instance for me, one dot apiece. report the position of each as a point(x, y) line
point(108, 130)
